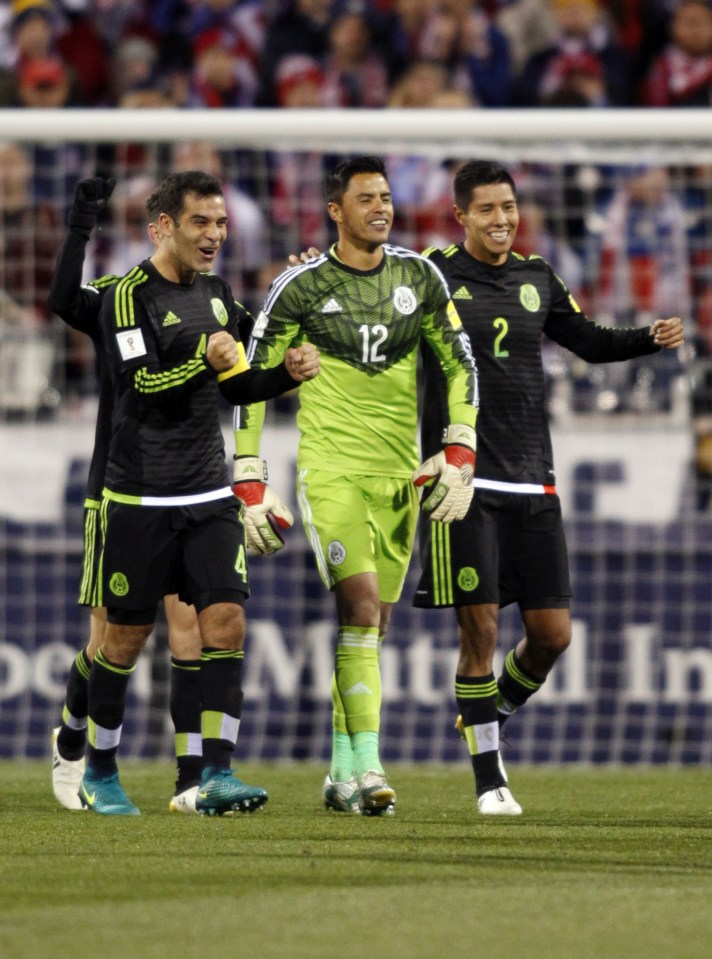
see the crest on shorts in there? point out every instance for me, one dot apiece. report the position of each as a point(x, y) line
point(336, 552)
point(219, 310)
point(467, 579)
point(404, 300)
point(529, 297)
point(118, 584)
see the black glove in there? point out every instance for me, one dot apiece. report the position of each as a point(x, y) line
point(90, 196)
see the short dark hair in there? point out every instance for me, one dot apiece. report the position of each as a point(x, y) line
point(336, 182)
point(479, 173)
point(170, 196)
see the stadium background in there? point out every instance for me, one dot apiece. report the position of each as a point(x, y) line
point(637, 684)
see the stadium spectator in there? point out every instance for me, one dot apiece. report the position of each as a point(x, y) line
point(354, 75)
point(529, 26)
point(42, 77)
point(642, 270)
point(80, 43)
point(475, 51)
point(582, 32)
point(301, 28)
point(681, 76)
point(406, 33)
point(421, 82)
point(223, 76)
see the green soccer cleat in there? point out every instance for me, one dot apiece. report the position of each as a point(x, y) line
point(105, 795)
point(378, 798)
point(342, 796)
point(221, 792)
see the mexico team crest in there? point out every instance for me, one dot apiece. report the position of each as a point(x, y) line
point(336, 552)
point(219, 311)
point(529, 297)
point(404, 300)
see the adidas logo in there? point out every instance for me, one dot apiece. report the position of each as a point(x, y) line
point(170, 319)
point(358, 689)
point(332, 307)
point(462, 294)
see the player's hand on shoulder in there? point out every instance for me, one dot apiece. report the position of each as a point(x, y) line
point(221, 352)
point(669, 333)
point(302, 362)
point(311, 254)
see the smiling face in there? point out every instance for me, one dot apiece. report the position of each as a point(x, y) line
point(190, 243)
point(490, 222)
point(365, 215)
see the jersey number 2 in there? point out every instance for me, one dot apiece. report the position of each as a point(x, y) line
point(500, 324)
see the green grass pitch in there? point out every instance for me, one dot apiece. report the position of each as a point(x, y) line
point(604, 864)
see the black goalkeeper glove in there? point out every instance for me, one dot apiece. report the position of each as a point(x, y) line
point(90, 196)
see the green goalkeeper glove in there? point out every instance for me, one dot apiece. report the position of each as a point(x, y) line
point(264, 514)
point(452, 472)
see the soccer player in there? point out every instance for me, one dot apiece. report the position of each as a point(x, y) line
point(79, 307)
point(367, 306)
point(170, 521)
point(510, 547)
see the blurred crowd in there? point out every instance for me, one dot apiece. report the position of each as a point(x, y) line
point(632, 242)
point(355, 53)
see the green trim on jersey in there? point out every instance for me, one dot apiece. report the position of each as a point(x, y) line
point(124, 315)
point(145, 382)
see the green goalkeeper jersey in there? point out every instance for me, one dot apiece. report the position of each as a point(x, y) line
point(360, 413)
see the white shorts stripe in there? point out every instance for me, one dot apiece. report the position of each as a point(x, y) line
point(501, 487)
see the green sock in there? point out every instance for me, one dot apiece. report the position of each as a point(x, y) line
point(342, 756)
point(366, 754)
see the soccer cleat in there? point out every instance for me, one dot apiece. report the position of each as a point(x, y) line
point(498, 802)
point(105, 795)
point(184, 801)
point(221, 792)
point(66, 776)
point(342, 796)
point(377, 797)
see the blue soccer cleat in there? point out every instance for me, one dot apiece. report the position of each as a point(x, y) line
point(105, 795)
point(221, 792)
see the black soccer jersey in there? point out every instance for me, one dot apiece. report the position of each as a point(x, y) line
point(504, 310)
point(166, 436)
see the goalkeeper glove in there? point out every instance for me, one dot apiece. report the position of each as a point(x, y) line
point(453, 469)
point(90, 196)
point(264, 513)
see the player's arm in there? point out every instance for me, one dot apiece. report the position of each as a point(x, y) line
point(448, 476)
point(569, 326)
point(265, 515)
point(79, 306)
point(240, 384)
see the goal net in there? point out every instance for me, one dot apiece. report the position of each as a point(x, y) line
point(619, 202)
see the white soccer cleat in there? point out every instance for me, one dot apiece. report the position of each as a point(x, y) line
point(342, 796)
point(67, 775)
point(378, 798)
point(185, 801)
point(498, 802)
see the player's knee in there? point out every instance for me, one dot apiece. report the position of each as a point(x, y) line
point(223, 626)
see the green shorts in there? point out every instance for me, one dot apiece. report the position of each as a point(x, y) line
point(359, 524)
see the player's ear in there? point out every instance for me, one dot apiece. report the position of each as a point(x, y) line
point(334, 211)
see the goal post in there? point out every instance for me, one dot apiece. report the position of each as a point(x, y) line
point(636, 684)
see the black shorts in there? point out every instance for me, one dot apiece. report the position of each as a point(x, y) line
point(150, 551)
point(510, 548)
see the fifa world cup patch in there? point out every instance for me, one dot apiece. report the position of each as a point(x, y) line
point(131, 344)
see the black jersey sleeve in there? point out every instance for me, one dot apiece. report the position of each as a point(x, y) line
point(254, 386)
point(568, 326)
point(78, 306)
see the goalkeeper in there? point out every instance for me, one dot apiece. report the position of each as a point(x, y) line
point(510, 547)
point(367, 306)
